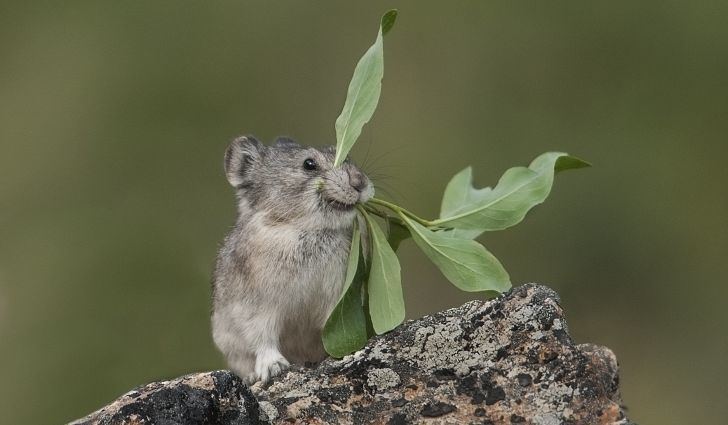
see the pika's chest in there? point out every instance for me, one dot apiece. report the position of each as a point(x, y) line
point(309, 266)
point(302, 249)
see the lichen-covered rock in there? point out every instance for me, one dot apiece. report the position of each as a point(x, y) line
point(201, 398)
point(505, 361)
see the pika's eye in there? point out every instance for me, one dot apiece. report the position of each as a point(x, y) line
point(309, 164)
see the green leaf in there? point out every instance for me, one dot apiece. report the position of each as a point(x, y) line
point(346, 328)
point(363, 93)
point(464, 262)
point(459, 192)
point(567, 162)
point(472, 211)
point(386, 304)
point(370, 328)
point(397, 233)
point(353, 261)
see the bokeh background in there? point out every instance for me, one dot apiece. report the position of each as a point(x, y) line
point(114, 117)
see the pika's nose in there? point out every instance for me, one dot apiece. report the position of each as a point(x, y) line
point(357, 180)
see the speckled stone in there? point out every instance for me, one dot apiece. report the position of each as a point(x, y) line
point(507, 360)
point(217, 397)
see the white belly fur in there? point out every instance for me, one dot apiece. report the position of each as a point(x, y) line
point(282, 303)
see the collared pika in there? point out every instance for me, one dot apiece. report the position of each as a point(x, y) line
point(280, 271)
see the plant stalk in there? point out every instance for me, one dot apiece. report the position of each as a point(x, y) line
point(400, 210)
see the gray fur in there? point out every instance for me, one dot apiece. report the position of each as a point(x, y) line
point(280, 271)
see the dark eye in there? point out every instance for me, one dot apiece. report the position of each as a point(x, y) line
point(309, 164)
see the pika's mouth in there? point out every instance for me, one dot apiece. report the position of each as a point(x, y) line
point(340, 206)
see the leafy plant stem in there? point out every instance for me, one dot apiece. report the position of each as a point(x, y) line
point(382, 214)
point(361, 209)
point(364, 212)
point(399, 210)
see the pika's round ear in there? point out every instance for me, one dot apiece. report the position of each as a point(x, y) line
point(286, 142)
point(240, 157)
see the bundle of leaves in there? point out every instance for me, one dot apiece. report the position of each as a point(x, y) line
point(372, 301)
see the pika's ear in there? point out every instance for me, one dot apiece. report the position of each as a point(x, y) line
point(285, 142)
point(240, 157)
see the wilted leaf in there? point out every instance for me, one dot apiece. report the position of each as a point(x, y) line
point(464, 262)
point(363, 93)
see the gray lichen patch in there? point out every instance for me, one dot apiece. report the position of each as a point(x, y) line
point(268, 411)
point(382, 379)
point(380, 351)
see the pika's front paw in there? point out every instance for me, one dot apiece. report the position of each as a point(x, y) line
point(268, 364)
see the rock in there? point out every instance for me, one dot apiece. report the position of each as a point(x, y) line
point(201, 398)
point(506, 361)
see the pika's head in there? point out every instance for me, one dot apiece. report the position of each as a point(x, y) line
point(288, 183)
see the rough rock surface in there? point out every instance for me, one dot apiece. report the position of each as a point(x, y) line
point(505, 361)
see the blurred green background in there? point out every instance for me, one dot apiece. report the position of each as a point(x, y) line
point(114, 117)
